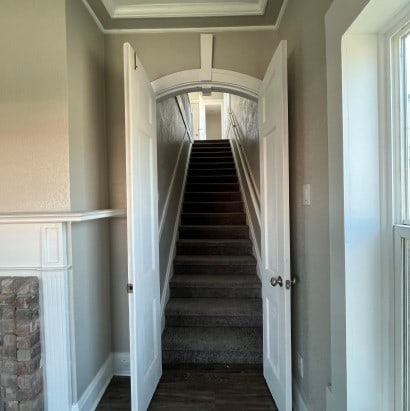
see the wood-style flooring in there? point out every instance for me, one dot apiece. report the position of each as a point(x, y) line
point(198, 389)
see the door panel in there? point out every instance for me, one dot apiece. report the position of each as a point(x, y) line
point(142, 223)
point(273, 131)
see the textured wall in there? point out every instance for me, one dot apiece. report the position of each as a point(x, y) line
point(303, 27)
point(246, 115)
point(34, 171)
point(171, 138)
point(86, 103)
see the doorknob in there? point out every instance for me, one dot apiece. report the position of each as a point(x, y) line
point(276, 281)
point(290, 283)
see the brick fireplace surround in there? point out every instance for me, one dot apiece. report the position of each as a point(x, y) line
point(21, 373)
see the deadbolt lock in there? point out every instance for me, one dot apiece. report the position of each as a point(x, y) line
point(290, 283)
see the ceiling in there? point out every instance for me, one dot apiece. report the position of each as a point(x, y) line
point(163, 15)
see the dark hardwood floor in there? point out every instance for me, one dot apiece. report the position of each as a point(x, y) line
point(198, 388)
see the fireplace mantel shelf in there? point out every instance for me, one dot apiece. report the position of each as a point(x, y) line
point(60, 217)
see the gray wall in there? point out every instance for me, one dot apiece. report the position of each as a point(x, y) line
point(33, 107)
point(245, 113)
point(213, 126)
point(89, 191)
point(172, 138)
point(303, 27)
point(91, 291)
point(247, 52)
point(86, 104)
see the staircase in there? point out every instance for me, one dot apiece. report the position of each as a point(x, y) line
point(214, 315)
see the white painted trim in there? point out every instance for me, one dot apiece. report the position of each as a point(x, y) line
point(181, 10)
point(121, 364)
point(242, 152)
point(60, 217)
point(190, 30)
point(8, 269)
point(94, 16)
point(281, 14)
point(191, 80)
point(95, 390)
point(169, 272)
point(257, 252)
point(269, 27)
point(207, 43)
point(298, 402)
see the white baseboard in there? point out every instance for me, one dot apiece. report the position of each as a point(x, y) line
point(298, 402)
point(121, 364)
point(94, 392)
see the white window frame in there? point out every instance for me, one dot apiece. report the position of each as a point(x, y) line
point(401, 222)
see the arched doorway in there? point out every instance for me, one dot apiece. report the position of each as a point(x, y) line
point(140, 98)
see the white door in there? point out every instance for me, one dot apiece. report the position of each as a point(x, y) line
point(142, 204)
point(273, 129)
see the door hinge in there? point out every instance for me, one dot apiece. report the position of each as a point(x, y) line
point(130, 288)
point(135, 61)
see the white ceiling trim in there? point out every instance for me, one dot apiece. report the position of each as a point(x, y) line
point(273, 27)
point(185, 9)
point(189, 30)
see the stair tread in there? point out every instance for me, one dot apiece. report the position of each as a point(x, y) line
point(212, 338)
point(215, 281)
point(215, 259)
point(215, 307)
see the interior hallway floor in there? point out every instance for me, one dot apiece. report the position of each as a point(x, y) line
point(199, 388)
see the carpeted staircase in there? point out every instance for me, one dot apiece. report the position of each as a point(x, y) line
point(214, 315)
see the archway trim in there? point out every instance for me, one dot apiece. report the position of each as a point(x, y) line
point(194, 80)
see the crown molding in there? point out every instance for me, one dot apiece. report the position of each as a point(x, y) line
point(161, 9)
point(159, 30)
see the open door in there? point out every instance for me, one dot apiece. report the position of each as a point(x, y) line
point(143, 258)
point(275, 270)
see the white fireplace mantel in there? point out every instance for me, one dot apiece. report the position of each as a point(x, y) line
point(38, 244)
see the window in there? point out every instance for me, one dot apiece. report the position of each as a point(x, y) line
point(401, 184)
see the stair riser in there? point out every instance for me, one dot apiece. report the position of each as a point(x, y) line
point(212, 321)
point(211, 357)
point(213, 219)
point(214, 249)
point(194, 292)
point(212, 188)
point(214, 269)
point(229, 207)
point(212, 172)
point(211, 144)
point(211, 233)
point(212, 179)
point(215, 165)
point(210, 159)
point(212, 197)
point(211, 153)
